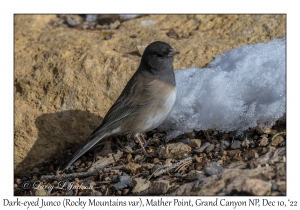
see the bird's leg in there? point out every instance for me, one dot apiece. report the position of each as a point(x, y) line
point(145, 142)
point(140, 138)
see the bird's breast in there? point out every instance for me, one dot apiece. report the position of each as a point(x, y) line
point(159, 105)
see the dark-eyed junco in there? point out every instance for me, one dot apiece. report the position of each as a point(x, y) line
point(145, 101)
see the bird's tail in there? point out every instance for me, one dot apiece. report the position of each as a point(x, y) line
point(88, 145)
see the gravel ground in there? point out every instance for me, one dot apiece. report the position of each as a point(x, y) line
point(197, 163)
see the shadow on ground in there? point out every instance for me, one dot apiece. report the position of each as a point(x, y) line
point(56, 132)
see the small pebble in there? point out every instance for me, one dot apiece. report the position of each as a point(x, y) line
point(212, 168)
point(124, 178)
point(159, 187)
point(202, 148)
point(155, 160)
point(235, 144)
point(274, 187)
point(224, 144)
point(198, 176)
point(178, 175)
point(209, 148)
point(125, 191)
point(276, 141)
point(18, 181)
point(77, 163)
point(103, 187)
point(128, 149)
point(147, 166)
point(114, 178)
point(71, 22)
point(121, 185)
point(194, 143)
point(69, 193)
point(130, 144)
point(96, 193)
point(91, 18)
point(145, 173)
point(139, 185)
point(263, 142)
point(185, 141)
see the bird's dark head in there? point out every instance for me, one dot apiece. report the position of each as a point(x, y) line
point(159, 56)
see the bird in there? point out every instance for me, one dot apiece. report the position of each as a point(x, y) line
point(144, 103)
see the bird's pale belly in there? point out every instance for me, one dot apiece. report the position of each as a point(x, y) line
point(154, 113)
point(159, 112)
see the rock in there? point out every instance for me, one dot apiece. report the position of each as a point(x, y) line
point(224, 144)
point(132, 167)
point(69, 193)
point(274, 187)
point(198, 175)
point(267, 130)
point(174, 151)
point(147, 166)
point(77, 163)
point(186, 140)
point(209, 148)
point(156, 160)
point(128, 149)
point(212, 168)
point(276, 141)
point(202, 148)
point(40, 192)
point(18, 181)
point(281, 186)
point(46, 67)
point(71, 22)
point(138, 158)
point(259, 130)
point(178, 175)
point(91, 18)
point(125, 191)
point(195, 143)
point(252, 164)
point(114, 178)
point(235, 144)
point(130, 144)
point(124, 182)
point(139, 185)
point(263, 142)
point(194, 175)
point(96, 193)
point(190, 134)
point(249, 185)
point(145, 173)
point(256, 187)
point(124, 178)
point(159, 187)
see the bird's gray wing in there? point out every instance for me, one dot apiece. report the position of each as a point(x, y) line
point(125, 105)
